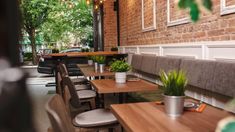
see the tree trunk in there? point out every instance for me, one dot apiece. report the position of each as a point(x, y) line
point(33, 45)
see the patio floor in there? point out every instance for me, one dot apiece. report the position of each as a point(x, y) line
point(40, 95)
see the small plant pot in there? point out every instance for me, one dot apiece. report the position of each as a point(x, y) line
point(96, 67)
point(101, 66)
point(90, 62)
point(174, 105)
point(120, 77)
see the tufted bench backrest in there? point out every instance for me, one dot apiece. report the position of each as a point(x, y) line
point(148, 64)
point(136, 62)
point(167, 64)
point(224, 78)
point(199, 72)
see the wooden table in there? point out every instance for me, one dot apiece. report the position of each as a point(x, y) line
point(149, 117)
point(89, 71)
point(110, 86)
point(105, 86)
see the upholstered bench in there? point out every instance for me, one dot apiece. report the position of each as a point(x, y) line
point(210, 81)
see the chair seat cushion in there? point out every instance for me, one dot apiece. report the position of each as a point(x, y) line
point(86, 94)
point(81, 87)
point(93, 118)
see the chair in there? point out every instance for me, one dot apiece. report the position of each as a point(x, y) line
point(87, 121)
point(64, 72)
point(78, 97)
point(80, 83)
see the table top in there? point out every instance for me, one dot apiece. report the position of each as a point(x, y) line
point(110, 86)
point(83, 65)
point(84, 54)
point(89, 71)
point(149, 117)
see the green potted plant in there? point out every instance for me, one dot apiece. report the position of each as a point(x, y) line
point(90, 60)
point(101, 61)
point(120, 67)
point(174, 85)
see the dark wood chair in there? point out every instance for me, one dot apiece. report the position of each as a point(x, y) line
point(78, 97)
point(64, 72)
point(91, 121)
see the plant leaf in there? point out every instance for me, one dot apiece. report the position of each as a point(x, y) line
point(207, 4)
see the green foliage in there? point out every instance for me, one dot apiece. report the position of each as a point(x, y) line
point(85, 49)
point(28, 56)
point(174, 83)
point(35, 12)
point(120, 66)
point(55, 50)
point(192, 5)
point(69, 19)
point(89, 57)
point(100, 59)
point(94, 58)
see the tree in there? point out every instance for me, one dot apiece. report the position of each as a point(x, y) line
point(34, 13)
point(68, 18)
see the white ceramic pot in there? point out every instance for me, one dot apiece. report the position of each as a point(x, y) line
point(101, 66)
point(90, 62)
point(120, 77)
point(174, 105)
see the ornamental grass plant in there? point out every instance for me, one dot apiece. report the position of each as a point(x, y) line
point(174, 83)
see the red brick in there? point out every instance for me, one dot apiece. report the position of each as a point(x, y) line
point(211, 27)
point(215, 32)
point(199, 34)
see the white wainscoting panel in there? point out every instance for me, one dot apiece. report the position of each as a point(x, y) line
point(190, 51)
point(213, 50)
point(149, 50)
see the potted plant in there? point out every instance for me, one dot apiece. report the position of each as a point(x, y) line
point(120, 67)
point(174, 85)
point(101, 62)
point(90, 60)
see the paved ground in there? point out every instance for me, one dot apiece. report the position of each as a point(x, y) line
point(39, 95)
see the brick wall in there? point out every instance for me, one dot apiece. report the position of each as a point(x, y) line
point(211, 26)
point(110, 25)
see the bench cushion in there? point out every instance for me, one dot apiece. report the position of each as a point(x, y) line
point(167, 64)
point(224, 78)
point(148, 64)
point(199, 72)
point(136, 61)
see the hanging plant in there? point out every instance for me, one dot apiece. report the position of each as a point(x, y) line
point(193, 6)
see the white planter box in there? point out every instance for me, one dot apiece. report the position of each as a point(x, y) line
point(120, 77)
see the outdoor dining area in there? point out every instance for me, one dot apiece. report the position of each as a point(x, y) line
point(117, 66)
point(102, 99)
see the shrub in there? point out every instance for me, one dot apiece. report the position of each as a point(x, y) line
point(120, 66)
point(28, 56)
point(55, 50)
point(100, 59)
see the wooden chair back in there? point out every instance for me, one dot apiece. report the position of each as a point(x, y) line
point(63, 70)
point(58, 115)
point(67, 98)
point(74, 100)
point(59, 84)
